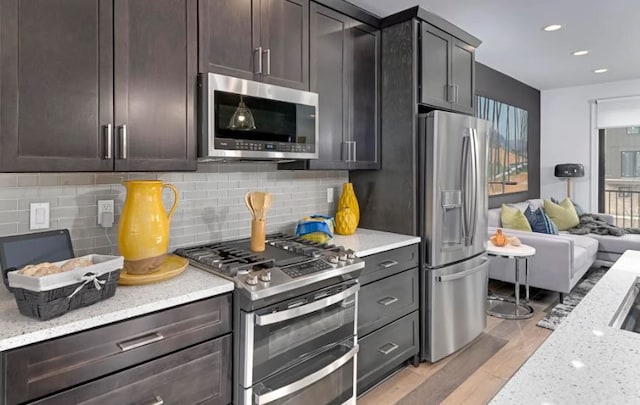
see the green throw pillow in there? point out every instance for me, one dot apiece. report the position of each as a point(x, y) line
point(564, 215)
point(513, 218)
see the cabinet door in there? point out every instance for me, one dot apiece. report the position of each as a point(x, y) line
point(434, 71)
point(227, 30)
point(56, 70)
point(364, 70)
point(155, 82)
point(328, 48)
point(463, 75)
point(284, 37)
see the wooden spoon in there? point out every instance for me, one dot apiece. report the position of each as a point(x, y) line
point(247, 202)
point(268, 199)
point(257, 202)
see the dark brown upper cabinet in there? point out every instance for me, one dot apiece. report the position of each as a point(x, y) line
point(344, 67)
point(97, 85)
point(263, 40)
point(447, 72)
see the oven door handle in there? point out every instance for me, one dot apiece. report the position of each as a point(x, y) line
point(268, 319)
point(306, 381)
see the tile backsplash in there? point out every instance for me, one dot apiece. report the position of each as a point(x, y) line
point(211, 206)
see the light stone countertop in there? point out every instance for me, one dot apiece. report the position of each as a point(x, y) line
point(366, 242)
point(17, 330)
point(585, 361)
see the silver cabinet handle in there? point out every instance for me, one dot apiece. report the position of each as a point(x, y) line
point(306, 381)
point(386, 301)
point(257, 55)
point(157, 400)
point(450, 93)
point(124, 154)
point(268, 319)
point(108, 134)
point(354, 156)
point(267, 53)
point(387, 263)
point(387, 348)
point(140, 341)
point(455, 93)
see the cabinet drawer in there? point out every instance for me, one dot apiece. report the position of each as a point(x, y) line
point(199, 374)
point(44, 368)
point(386, 300)
point(387, 348)
point(384, 264)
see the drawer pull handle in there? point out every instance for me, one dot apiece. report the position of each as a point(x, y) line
point(141, 341)
point(387, 348)
point(157, 400)
point(386, 301)
point(388, 263)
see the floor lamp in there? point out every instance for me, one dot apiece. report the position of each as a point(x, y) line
point(569, 170)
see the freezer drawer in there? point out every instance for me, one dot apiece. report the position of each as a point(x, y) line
point(457, 305)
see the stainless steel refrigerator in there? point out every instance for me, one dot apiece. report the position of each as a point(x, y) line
point(433, 184)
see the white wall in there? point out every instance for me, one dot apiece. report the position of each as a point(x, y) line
point(567, 136)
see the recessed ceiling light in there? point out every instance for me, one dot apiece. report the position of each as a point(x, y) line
point(552, 27)
point(600, 70)
point(580, 53)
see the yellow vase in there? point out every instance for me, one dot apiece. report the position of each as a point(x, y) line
point(143, 229)
point(348, 199)
point(346, 223)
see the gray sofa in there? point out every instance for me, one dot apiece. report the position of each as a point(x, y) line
point(560, 260)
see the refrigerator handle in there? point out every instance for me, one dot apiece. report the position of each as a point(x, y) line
point(474, 179)
point(464, 181)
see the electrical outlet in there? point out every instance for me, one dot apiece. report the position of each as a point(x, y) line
point(105, 206)
point(39, 215)
point(330, 194)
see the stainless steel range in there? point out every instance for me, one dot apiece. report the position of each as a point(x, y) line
point(295, 318)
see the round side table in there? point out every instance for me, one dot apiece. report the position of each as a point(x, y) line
point(504, 307)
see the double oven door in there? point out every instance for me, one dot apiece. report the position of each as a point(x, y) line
point(303, 350)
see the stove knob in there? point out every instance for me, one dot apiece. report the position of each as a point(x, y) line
point(251, 279)
point(351, 256)
point(332, 259)
point(265, 276)
point(342, 257)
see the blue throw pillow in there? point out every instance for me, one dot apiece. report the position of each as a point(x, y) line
point(540, 222)
point(578, 208)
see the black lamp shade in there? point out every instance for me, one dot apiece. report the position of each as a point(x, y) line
point(569, 170)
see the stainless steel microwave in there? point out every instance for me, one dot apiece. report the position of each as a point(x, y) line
point(244, 119)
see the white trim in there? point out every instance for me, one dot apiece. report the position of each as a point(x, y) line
point(594, 161)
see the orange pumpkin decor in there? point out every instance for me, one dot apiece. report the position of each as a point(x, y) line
point(498, 238)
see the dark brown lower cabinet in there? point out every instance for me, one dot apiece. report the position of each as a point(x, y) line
point(388, 322)
point(181, 355)
point(198, 375)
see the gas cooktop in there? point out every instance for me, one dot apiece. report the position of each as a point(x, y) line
point(288, 263)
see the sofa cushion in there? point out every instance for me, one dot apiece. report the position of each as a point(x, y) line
point(579, 209)
point(512, 218)
point(493, 217)
point(540, 222)
point(563, 215)
point(585, 250)
point(616, 244)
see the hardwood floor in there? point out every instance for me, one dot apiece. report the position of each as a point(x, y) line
point(523, 338)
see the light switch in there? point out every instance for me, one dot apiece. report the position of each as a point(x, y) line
point(39, 215)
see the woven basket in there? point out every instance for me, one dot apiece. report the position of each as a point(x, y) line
point(74, 289)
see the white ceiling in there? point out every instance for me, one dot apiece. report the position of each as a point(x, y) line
point(514, 43)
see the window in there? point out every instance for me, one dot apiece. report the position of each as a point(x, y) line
point(633, 131)
point(630, 163)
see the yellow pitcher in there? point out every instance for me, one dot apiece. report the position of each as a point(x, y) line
point(143, 230)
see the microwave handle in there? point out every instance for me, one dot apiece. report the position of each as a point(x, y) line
point(306, 381)
point(257, 60)
point(315, 306)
